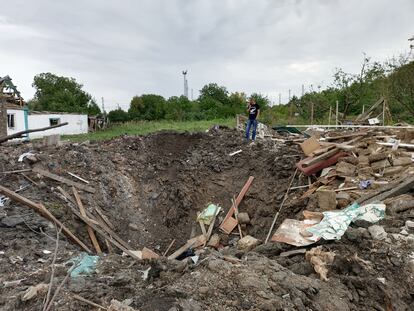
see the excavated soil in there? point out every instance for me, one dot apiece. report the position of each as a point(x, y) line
point(150, 188)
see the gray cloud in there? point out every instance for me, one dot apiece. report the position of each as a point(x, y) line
point(121, 48)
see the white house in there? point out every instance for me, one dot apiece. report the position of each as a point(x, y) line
point(21, 119)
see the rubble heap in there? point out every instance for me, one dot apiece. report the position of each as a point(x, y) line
point(174, 221)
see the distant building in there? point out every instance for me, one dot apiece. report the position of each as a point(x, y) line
point(16, 117)
point(21, 119)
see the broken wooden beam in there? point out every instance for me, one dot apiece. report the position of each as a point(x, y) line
point(345, 136)
point(401, 186)
point(229, 223)
point(42, 211)
point(92, 235)
point(63, 180)
point(19, 134)
point(121, 244)
point(78, 177)
point(321, 157)
point(194, 242)
point(17, 171)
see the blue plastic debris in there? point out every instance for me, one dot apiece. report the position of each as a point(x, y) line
point(83, 264)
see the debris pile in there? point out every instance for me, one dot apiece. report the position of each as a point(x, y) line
point(174, 221)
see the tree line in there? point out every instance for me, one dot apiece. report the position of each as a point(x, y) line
point(392, 79)
point(214, 102)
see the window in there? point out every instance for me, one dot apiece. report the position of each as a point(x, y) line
point(54, 121)
point(11, 121)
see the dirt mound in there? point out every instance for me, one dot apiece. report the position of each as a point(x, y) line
point(151, 188)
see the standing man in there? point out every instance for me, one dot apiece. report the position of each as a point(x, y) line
point(254, 112)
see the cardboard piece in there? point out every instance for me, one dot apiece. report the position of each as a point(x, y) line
point(310, 145)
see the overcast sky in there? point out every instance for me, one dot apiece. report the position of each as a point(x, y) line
point(119, 49)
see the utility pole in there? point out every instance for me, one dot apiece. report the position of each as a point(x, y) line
point(289, 94)
point(303, 90)
point(383, 113)
point(280, 98)
point(103, 105)
point(330, 115)
point(185, 83)
point(312, 106)
point(336, 114)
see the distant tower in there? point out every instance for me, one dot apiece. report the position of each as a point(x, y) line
point(185, 83)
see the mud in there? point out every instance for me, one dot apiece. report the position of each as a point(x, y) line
point(151, 188)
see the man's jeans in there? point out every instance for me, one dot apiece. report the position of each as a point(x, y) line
point(251, 123)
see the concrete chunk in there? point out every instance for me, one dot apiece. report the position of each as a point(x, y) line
point(247, 243)
point(345, 169)
point(402, 161)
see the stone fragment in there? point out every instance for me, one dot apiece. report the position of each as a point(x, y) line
point(326, 200)
point(409, 224)
point(243, 218)
point(402, 161)
point(247, 243)
point(393, 170)
point(345, 169)
point(380, 164)
point(377, 157)
point(133, 226)
point(377, 232)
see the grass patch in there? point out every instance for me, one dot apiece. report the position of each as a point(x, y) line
point(146, 127)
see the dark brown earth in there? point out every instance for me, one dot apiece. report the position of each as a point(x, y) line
point(151, 188)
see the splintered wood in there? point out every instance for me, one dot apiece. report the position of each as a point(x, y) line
point(229, 222)
point(42, 211)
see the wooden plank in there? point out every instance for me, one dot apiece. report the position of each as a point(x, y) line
point(168, 248)
point(90, 231)
point(63, 180)
point(29, 179)
point(211, 227)
point(238, 200)
point(203, 228)
point(345, 136)
point(91, 303)
point(181, 250)
point(110, 235)
point(77, 177)
point(17, 171)
point(236, 215)
point(321, 157)
point(90, 217)
point(42, 211)
point(194, 242)
point(19, 134)
point(102, 215)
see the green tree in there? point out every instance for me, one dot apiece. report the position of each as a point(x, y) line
point(401, 83)
point(61, 94)
point(179, 108)
point(118, 115)
point(147, 107)
point(262, 100)
point(216, 92)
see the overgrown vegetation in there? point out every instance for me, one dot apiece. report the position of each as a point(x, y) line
point(393, 80)
point(146, 127)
